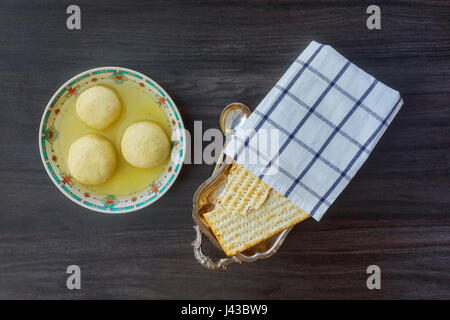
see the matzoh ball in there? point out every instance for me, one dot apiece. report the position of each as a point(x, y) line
point(92, 159)
point(145, 145)
point(98, 107)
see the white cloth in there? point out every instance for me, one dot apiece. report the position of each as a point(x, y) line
point(315, 128)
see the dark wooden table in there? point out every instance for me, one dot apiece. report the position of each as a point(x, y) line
point(206, 54)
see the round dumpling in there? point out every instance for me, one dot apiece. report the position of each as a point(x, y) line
point(98, 107)
point(92, 159)
point(145, 145)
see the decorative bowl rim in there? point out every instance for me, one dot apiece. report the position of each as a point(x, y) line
point(81, 203)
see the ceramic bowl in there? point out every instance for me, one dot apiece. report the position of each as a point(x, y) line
point(49, 132)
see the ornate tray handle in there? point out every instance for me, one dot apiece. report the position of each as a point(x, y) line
point(205, 261)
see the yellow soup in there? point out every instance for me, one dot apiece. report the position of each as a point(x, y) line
point(136, 106)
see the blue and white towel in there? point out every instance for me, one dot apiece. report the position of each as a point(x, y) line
point(324, 117)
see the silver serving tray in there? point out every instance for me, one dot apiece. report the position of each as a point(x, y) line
point(204, 199)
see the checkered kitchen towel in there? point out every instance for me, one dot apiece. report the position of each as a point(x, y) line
point(324, 117)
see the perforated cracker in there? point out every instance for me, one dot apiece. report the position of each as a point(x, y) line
point(237, 233)
point(243, 191)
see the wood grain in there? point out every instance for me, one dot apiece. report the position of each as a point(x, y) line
point(207, 54)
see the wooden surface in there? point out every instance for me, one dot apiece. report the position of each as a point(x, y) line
point(206, 54)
